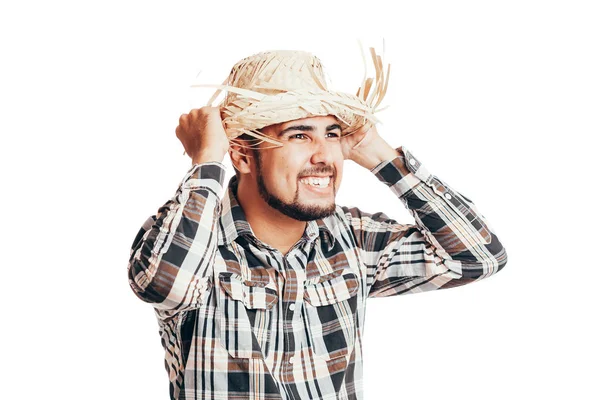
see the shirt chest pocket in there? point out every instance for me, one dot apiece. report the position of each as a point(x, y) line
point(245, 315)
point(331, 315)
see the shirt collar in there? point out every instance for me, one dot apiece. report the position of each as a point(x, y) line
point(233, 222)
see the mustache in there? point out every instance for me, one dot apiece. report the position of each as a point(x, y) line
point(323, 170)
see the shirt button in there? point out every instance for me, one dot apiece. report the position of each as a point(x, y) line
point(412, 161)
point(292, 360)
point(292, 307)
point(447, 195)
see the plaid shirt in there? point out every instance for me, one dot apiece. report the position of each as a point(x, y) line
point(240, 320)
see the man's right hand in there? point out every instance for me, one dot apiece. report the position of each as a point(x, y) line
point(202, 134)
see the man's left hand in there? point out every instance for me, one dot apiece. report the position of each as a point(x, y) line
point(366, 147)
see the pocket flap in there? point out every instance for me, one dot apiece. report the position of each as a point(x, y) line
point(252, 294)
point(331, 291)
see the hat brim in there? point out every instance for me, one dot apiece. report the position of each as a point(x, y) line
point(251, 110)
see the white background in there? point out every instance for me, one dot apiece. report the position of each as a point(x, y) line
point(500, 99)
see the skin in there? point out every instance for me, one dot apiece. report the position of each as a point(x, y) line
point(275, 201)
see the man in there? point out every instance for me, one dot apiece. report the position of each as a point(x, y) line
point(262, 294)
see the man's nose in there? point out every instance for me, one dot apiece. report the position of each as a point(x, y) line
point(323, 152)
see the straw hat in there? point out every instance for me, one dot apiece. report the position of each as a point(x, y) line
point(278, 86)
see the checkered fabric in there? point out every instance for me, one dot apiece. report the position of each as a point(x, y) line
point(240, 320)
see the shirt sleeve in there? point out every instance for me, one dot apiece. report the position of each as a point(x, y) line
point(450, 245)
point(171, 258)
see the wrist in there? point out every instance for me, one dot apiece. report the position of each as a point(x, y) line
point(204, 157)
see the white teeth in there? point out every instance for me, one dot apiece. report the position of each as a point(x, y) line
point(319, 182)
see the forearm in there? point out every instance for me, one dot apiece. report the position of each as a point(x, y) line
point(462, 238)
point(171, 263)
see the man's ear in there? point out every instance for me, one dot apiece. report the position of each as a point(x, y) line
point(241, 158)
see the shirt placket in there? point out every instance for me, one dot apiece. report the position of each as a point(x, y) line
point(294, 265)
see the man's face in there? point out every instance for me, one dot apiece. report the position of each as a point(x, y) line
point(301, 178)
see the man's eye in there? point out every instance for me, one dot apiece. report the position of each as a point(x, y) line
point(298, 136)
point(333, 134)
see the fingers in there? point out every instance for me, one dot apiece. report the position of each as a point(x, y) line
point(187, 120)
point(361, 140)
point(202, 128)
point(183, 122)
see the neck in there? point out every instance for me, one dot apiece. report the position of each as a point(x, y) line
point(268, 224)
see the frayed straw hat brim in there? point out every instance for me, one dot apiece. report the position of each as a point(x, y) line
point(275, 87)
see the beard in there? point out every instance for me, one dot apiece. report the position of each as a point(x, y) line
point(294, 209)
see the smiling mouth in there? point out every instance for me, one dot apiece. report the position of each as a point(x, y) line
point(317, 182)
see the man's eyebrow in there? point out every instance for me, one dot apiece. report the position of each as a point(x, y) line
point(306, 128)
